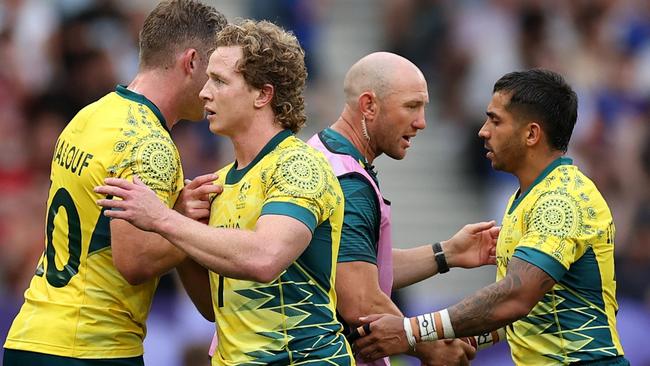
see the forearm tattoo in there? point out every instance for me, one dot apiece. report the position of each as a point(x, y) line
point(488, 310)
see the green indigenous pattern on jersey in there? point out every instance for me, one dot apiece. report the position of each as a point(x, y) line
point(78, 305)
point(562, 225)
point(290, 320)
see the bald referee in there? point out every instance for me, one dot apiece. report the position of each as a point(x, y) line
point(386, 96)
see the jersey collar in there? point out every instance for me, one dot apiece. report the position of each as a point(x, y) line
point(339, 144)
point(345, 146)
point(234, 175)
point(122, 91)
point(562, 160)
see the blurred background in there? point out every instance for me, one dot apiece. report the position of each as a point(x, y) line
point(56, 56)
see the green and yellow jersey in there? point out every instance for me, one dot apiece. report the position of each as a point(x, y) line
point(291, 320)
point(563, 226)
point(78, 305)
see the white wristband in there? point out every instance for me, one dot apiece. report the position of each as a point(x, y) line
point(447, 330)
point(489, 339)
point(409, 332)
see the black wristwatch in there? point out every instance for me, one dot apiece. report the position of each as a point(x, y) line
point(439, 255)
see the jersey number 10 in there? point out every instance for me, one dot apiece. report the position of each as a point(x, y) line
point(99, 238)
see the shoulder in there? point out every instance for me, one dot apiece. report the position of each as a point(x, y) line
point(293, 149)
point(355, 184)
point(147, 148)
point(156, 153)
point(296, 165)
point(569, 185)
point(565, 203)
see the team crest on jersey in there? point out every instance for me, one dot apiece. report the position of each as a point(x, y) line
point(241, 197)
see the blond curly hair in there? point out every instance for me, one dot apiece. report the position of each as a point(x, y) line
point(271, 55)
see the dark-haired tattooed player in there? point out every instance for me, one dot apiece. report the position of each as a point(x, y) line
point(555, 289)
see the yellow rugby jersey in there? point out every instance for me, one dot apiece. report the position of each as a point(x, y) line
point(563, 225)
point(78, 305)
point(291, 320)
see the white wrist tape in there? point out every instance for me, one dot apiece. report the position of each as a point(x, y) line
point(428, 332)
point(489, 339)
point(447, 329)
point(434, 326)
point(409, 332)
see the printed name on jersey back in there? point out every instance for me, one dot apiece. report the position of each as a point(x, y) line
point(71, 157)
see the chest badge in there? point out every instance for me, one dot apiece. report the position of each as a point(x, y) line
point(242, 196)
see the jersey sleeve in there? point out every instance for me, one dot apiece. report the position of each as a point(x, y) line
point(360, 222)
point(551, 241)
point(154, 159)
point(301, 185)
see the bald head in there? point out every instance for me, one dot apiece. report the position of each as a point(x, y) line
point(377, 72)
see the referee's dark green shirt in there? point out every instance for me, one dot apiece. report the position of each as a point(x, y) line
point(361, 218)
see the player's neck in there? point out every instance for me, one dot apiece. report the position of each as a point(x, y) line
point(534, 165)
point(156, 87)
point(352, 132)
point(248, 143)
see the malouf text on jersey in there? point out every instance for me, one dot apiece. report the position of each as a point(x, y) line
point(71, 157)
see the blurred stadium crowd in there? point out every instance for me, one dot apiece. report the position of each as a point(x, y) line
point(56, 56)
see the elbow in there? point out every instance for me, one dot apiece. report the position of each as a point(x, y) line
point(264, 278)
point(263, 270)
point(135, 275)
point(264, 265)
point(134, 271)
point(362, 303)
point(265, 274)
point(208, 314)
point(351, 313)
point(135, 279)
point(517, 309)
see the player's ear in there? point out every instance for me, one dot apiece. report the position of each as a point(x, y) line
point(264, 95)
point(368, 105)
point(189, 61)
point(533, 133)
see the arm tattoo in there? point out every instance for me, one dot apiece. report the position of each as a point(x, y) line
point(488, 309)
